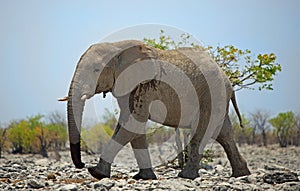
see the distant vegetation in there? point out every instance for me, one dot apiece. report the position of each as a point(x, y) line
point(39, 134)
point(34, 135)
point(261, 129)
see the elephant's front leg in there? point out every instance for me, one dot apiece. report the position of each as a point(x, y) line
point(141, 153)
point(119, 139)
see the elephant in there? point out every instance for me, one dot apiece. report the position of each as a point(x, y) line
point(178, 88)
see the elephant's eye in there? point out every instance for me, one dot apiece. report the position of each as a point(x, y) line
point(97, 70)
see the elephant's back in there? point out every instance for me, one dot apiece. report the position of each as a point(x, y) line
point(193, 64)
point(186, 58)
point(188, 84)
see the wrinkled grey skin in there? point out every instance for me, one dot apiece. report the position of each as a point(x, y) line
point(99, 70)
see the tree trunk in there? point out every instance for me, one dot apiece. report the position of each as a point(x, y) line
point(282, 141)
point(253, 137)
point(3, 139)
point(43, 151)
point(298, 138)
point(264, 138)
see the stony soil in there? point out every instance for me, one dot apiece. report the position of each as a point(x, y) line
point(32, 172)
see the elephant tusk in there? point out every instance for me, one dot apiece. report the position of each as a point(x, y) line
point(66, 98)
point(83, 98)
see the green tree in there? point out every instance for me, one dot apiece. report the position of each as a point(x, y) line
point(20, 135)
point(57, 135)
point(285, 125)
point(243, 69)
point(47, 135)
point(58, 127)
point(259, 120)
point(33, 135)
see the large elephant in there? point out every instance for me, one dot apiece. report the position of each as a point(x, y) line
point(177, 88)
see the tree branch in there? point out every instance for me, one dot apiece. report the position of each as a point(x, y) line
point(245, 86)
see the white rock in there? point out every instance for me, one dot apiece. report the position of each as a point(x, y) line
point(239, 186)
point(252, 178)
point(203, 171)
point(16, 166)
point(20, 184)
point(49, 183)
point(223, 186)
point(9, 187)
point(242, 179)
point(274, 167)
point(179, 184)
point(33, 183)
point(97, 185)
point(255, 187)
point(69, 187)
point(231, 180)
point(56, 186)
point(219, 169)
point(42, 162)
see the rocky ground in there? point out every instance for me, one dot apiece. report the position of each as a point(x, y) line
point(272, 168)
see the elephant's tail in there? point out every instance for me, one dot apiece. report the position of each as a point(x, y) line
point(236, 108)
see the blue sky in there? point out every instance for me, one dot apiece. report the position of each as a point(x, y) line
point(41, 42)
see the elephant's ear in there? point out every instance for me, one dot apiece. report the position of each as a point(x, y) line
point(107, 52)
point(136, 65)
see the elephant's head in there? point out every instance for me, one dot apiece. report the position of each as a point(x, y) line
point(96, 72)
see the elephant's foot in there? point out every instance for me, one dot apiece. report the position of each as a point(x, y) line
point(241, 172)
point(189, 173)
point(145, 174)
point(240, 168)
point(102, 170)
point(96, 173)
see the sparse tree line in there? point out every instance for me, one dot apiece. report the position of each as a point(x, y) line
point(39, 134)
point(261, 129)
point(36, 134)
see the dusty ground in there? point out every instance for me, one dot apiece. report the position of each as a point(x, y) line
point(32, 172)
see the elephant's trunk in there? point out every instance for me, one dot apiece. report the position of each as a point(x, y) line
point(75, 109)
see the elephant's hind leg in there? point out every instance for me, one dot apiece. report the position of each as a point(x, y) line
point(191, 169)
point(141, 153)
point(226, 139)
